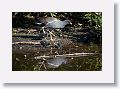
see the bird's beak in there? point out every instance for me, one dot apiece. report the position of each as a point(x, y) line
point(70, 23)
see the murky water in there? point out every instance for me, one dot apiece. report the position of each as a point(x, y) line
point(29, 58)
point(72, 56)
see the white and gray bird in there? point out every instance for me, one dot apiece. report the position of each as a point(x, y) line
point(58, 24)
point(51, 22)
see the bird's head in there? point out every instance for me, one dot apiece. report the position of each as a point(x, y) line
point(67, 22)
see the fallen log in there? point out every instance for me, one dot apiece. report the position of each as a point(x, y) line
point(29, 43)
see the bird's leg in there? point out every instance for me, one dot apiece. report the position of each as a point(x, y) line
point(43, 63)
point(51, 50)
point(44, 66)
point(43, 30)
point(40, 65)
point(51, 38)
point(47, 35)
point(53, 34)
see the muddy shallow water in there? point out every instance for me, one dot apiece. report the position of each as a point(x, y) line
point(72, 56)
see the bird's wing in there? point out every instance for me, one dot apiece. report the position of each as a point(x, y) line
point(55, 24)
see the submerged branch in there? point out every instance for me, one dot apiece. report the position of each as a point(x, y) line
point(67, 55)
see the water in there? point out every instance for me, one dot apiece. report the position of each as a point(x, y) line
point(76, 54)
point(29, 58)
